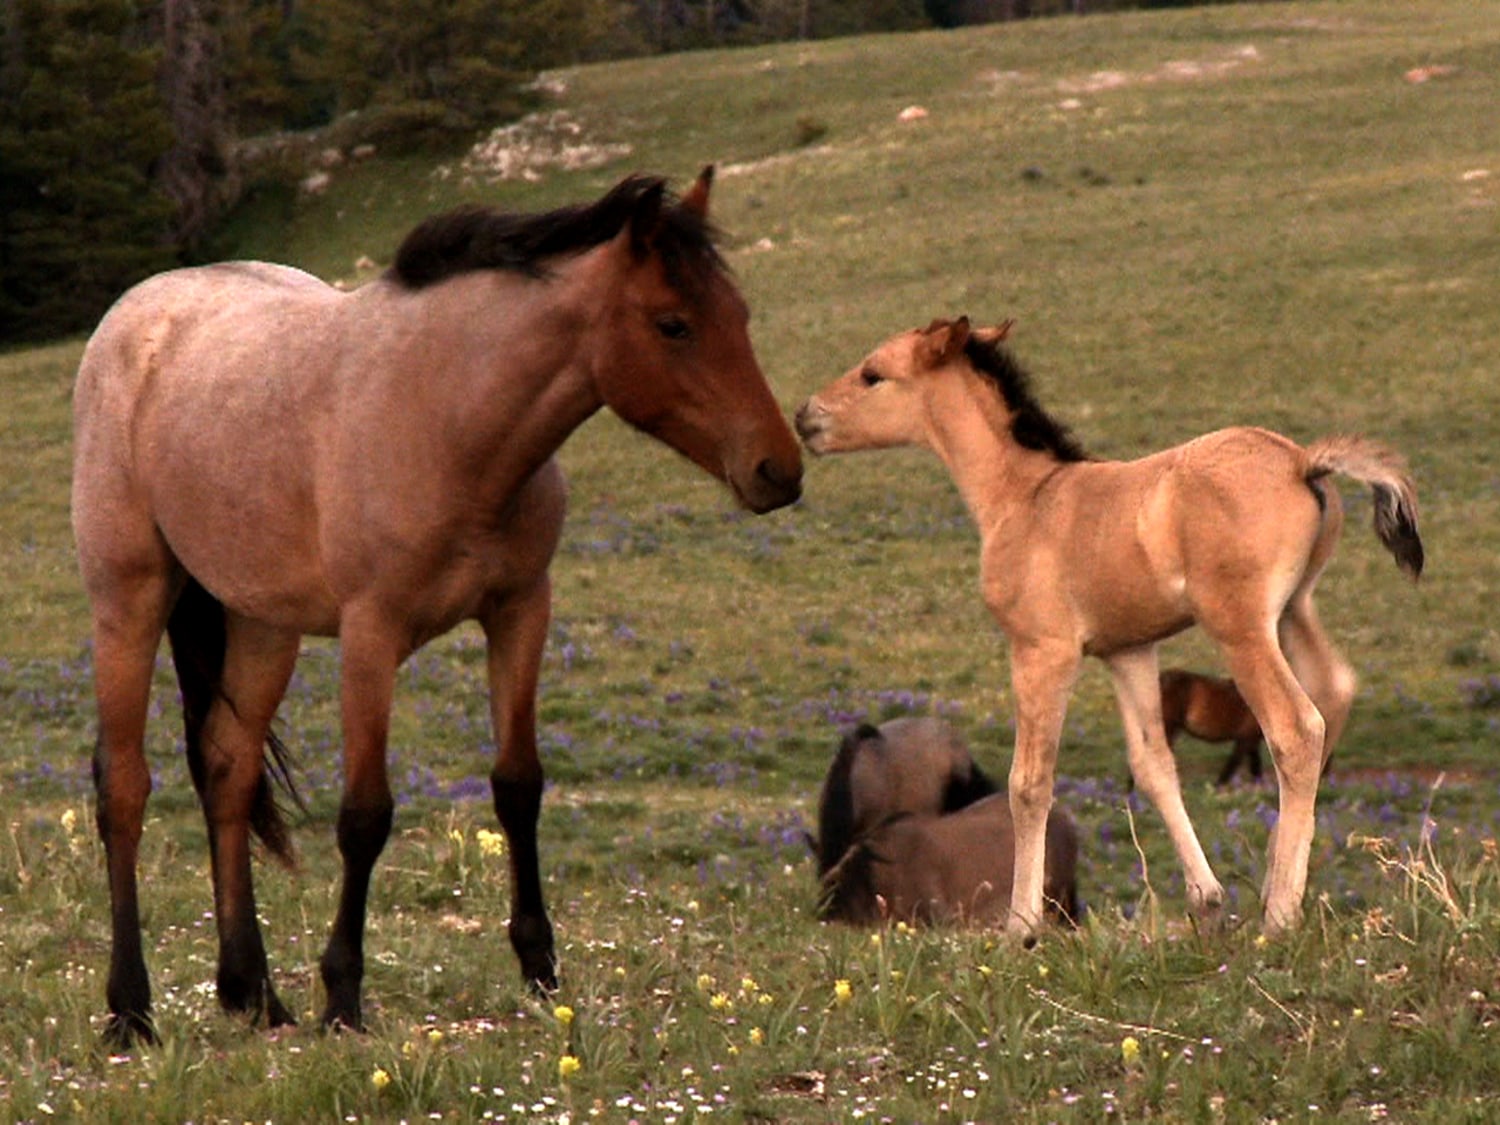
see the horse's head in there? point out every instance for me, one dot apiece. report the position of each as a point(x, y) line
point(877, 403)
point(677, 361)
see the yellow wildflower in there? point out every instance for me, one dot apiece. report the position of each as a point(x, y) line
point(721, 1002)
point(491, 844)
point(757, 1036)
point(380, 1079)
point(842, 991)
point(434, 1036)
point(563, 1014)
point(1130, 1050)
point(567, 1066)
point(705, 982)
point(748, 986)
point(69, 821)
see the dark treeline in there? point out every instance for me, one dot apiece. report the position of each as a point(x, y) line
point(122, 121)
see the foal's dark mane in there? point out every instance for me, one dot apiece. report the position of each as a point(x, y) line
point(1030, 425)
point(474, 237)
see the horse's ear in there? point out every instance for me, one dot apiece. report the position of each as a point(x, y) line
point(944, 340)
point(645, 220)
point(696, 198)
point(996, 335)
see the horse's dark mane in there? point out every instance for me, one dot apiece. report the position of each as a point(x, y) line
point(474, 237)
point(836, 805)
point(1031, 426)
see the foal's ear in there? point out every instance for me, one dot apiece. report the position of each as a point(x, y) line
point(645, 220)
point(996, 335)
point(944, 340)
point(696, 197)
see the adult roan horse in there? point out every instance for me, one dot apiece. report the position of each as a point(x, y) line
point(1211, 709)
point(261, 456)
point(916, 765)
point(1099, 558)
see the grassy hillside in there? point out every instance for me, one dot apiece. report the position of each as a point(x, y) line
point(1286, 215)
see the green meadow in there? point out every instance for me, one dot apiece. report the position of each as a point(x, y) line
point(1285, 215)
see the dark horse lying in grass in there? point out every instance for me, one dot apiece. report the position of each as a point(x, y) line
point(1211, 709)
point(955, 867)
point(906, 819)
point(912, 765)
point(260, 456)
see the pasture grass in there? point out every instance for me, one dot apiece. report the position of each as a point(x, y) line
point(1234, 214)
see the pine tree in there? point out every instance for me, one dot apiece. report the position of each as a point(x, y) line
point(81, 125)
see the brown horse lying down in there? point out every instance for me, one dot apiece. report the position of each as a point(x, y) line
point(955, 867)
point(1213, 710)
point(913, 765)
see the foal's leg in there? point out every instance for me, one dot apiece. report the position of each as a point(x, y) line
point(129, 618)
point(1138, 691)
point(258, 662)
point(370, 653)
point(1294, 730)
point(1041, 679)
point(516, 630)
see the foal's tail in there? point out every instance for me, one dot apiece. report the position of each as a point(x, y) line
point(196, 630)
point(1384, 470)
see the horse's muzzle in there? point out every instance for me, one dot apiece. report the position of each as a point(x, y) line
point(774, 486)
point(809, 423)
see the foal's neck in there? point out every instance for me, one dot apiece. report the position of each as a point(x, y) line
point(969, 428)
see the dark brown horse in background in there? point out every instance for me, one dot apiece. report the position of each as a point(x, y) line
point(955, 867)
point(261, 456)
point(915, 766)
point(1213, 710)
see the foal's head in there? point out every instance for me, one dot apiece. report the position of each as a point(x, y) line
point(886, 400)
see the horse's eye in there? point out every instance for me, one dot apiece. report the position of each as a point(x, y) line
point(673, 327)
point(869, 377)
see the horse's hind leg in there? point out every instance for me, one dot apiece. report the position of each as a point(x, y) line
point(516, 630)
point(1294, 730)
point(258, 662)
point(129, 599)
point(1324, 674)
point(1138, 692)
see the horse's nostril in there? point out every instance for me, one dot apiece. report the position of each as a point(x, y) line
point(782, 478)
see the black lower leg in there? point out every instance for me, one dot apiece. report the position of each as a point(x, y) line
point(518, 805)
point(362, 833)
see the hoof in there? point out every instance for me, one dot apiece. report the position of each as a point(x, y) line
point(130, 1029)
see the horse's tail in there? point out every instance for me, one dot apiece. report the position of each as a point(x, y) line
point(836, 805)
point(1384, 470)
point(196, 630)
point(962, 791)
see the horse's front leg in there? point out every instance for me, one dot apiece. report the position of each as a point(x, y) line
point(1138, 692)
point(1041, 680)
point(226, 732)
point(370, 654)
point(516, 629)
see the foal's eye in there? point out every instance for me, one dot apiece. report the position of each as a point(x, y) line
point(673, 327)
point(869, 377)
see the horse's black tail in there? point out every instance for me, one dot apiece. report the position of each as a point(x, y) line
point(836, 804)
point(196, 630)
point(963, 791)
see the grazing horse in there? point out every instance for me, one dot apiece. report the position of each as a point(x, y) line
point(1106, 558)
point(913, 765)
point(953, 867)
point(261, 456)
point(1213, 710)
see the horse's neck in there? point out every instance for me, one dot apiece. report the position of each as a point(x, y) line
point(969, 429)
